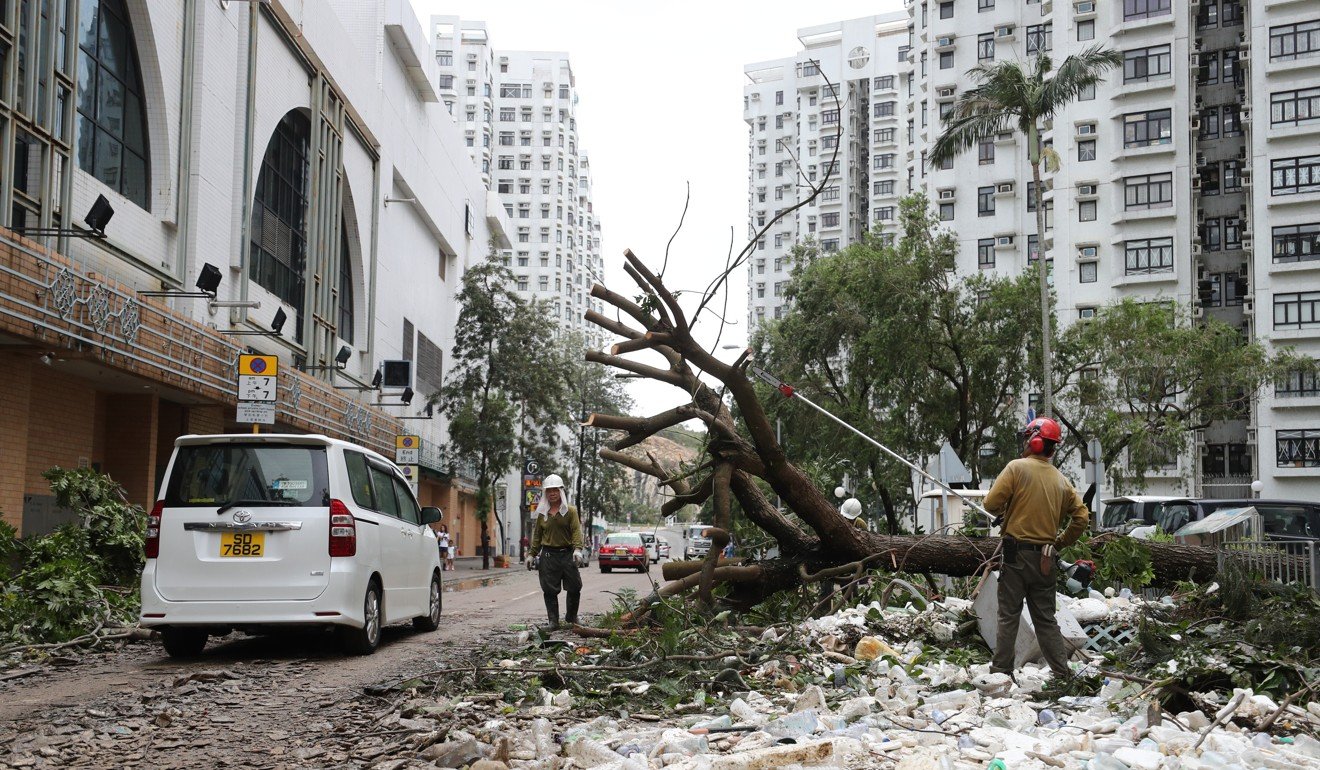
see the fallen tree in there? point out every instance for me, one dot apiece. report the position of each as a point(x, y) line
point(741, 452)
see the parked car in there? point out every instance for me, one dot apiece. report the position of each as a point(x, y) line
point(1123, 514)
point(662, 547)
point(623, 549)
point(652, 546)
point(259, 531)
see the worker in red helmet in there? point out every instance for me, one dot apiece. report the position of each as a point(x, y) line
point(1033, 499)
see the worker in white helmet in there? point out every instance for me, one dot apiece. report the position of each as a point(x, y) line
point(852, 511)
point(556, 536)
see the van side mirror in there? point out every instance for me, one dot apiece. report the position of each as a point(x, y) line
point(431, 514)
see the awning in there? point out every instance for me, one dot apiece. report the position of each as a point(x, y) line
point(1217, 521)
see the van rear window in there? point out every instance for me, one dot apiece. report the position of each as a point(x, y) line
point(216, 474)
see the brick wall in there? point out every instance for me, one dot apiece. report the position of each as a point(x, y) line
point(64, 425)
point(15, 375)
point(132, 422)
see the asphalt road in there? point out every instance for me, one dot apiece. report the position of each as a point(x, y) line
point(275, 693)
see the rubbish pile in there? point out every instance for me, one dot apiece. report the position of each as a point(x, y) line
point(869, 686)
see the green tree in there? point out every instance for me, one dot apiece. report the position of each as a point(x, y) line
point(508, 387)
point(1010, 94)
point(888, 338)
point(1141, 378)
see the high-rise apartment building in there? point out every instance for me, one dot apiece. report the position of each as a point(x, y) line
point(1174, 175)
point(842, 88)
point(518, 112)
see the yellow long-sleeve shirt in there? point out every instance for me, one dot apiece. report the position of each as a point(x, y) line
point(556, 530)
point(1035, 499)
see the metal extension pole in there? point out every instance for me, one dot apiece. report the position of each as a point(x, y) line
point(790, 392)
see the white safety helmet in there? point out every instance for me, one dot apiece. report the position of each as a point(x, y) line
point(851, 508)
point(553, 481)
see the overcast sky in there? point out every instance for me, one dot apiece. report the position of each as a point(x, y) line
point(660, 107)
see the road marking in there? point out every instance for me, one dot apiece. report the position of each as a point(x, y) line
point(524, 596)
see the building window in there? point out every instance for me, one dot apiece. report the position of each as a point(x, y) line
point(1232, 120)
point(1147, 192)
point(946, 212)
point(1292, 176)
point(985, 253)
point(1085, 30)
point(1040, 38)
point(985, 152)
point(884, 109)
point(1232, 175)
point(1209, 123)
point(1144, 9)
point(1291, 108)
point(985, 46)
point(946, 10)
point(1142, 64)
point(1086, 211)
point(1212, 234)
point(1207, 72)
point(1297, 383)
point(279, 212)
point(112, 126)
point(884, 213)
point(1296, 243)
point(830, 219)
point(946, 60)
point(1086, 150)
point(1143, 129)
point(1085, 313)
point(985, 201)
point(1209, 179)
point(1298, 310)
point(1297, 448)
point(345, 297)
point(1151, 255)
point(1088, 272)
point(1295, 41)
point(985, 5)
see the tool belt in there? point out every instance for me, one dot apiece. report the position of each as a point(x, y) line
point(1048, 553)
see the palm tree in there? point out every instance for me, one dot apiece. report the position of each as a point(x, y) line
point(1009, 95)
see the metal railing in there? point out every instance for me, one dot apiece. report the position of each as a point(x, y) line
point(1281, 559)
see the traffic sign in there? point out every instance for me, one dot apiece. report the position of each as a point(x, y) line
point(268, 366)
point(256, 387)
point(262, 412)
point(407, 450)
point(531, 468)
point(410, 473)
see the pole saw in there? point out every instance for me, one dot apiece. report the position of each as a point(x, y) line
point(788, 391)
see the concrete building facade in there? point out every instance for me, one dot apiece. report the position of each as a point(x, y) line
point(301, 158)
point(1175, 174)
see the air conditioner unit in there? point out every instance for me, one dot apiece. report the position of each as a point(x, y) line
point(756, 97)
point(1197, 311)
point(1086, 129)
point(1087, 252)
point(1086, 189)
point(946, 195)
point(1004, 187)
point(1196, 249)
point(1244, 54)
point(1004, 240)
point(1004, 30)
point(1248, 309)
point(1246, 243)
point(946, 92)
point(944, 42)
point(1246, 180)
point(1245, 116)
point(1196, 181)
point(1083, 8)
point(1196, 124)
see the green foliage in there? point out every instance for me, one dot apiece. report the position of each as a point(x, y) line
point(1140, 377)
point(891, 340)
point(62, 584)
point(508, 387)
point(1125, 562)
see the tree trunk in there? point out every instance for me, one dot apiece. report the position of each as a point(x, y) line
point(1042, 270)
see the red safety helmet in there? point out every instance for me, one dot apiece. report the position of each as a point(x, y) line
point(1040, 430)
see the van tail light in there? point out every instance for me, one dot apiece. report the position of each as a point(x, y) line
point(153, 529)
point(343, 530)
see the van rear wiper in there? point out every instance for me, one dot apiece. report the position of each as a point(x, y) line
point(233, 503)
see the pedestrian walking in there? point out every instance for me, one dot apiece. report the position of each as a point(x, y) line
point(523, 542)
point(1032, 498)
point(556, 535)
point(443, 538)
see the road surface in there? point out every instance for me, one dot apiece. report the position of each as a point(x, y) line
point(272, 701)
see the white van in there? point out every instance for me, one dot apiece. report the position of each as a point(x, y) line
point(255, 531)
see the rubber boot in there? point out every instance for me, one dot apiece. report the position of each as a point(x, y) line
point(552, 610)
point(571, 608)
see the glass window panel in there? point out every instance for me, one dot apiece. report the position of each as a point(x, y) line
point(110, 105)
point(135, 176)
point(88, 12)
point(113, 44)
point(109, 160)
point(133, 133)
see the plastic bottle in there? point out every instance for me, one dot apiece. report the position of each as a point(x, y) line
point(1045, 717)
point(996, 764)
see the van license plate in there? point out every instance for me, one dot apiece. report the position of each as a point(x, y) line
point(242, 544)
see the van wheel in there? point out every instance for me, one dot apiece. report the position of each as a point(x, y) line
point(183, 643)
point(431, 620)
point(365, 640)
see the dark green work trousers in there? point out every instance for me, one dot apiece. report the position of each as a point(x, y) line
point(556, 568)
point(1021, 579)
